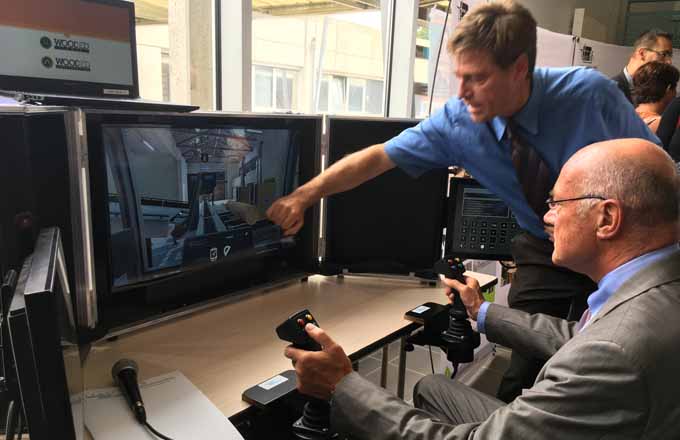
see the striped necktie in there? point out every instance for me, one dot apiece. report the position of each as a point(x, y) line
point(533, 174)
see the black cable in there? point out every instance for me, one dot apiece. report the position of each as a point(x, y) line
point(20, 425)
point(10, 420)
point(429, 347)
point(441, 41)
point(156, 433)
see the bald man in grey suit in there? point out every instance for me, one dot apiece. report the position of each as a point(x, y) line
point(614, 210)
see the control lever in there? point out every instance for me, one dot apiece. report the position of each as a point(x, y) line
point(315, 421)
point(459, 337)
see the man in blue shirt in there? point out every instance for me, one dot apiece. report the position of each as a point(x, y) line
point(552, 113)
point(615, 211)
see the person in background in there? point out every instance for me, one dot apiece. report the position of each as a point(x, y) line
point(669, 129)
point(609, 375)
point(651, 45)
point(654, 87)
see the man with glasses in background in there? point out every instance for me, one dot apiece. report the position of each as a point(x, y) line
point(652, 45)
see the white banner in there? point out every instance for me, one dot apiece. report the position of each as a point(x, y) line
point(607, 58)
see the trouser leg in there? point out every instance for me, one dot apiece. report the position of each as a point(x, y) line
point(450, 401)
point(540, 287)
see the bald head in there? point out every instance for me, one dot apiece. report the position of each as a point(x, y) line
point(638, 173)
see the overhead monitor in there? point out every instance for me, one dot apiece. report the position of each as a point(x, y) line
point(72, 47)
point(390, 224)
point(180, 201)
point(45, 346)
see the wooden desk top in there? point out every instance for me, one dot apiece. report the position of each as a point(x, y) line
point(232, 347)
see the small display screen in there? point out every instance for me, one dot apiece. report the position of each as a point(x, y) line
point(180, 197)
point(79, 41)
point(479, 202)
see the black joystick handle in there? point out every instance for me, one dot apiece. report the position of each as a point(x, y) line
point(460, 339)
point(293, 331)
point(315, 421)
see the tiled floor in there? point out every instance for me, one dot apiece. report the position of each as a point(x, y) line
point(484, 374)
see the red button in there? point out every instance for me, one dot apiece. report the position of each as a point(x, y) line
point(301, 323)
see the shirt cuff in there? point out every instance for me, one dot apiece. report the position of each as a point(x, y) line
point(481, 316)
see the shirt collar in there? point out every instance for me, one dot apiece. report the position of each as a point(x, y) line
point(628, 76)
point(527, 117)
point(611, 282)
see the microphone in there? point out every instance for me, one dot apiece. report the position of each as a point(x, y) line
point(124, 373)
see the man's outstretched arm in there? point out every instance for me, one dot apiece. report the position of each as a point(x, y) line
point(349, 172)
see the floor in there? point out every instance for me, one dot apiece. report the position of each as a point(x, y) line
point(484, 374)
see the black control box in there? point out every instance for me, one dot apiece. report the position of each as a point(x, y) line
point(480, 225)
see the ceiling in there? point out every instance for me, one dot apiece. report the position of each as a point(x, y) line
point(156, 11)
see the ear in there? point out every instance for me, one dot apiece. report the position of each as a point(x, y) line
point(520, 68)
point(609, 219)
point(641, 53)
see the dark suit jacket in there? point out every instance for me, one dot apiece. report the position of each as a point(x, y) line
point(616, 379)
point(622, 82)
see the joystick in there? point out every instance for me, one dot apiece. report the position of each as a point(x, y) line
point(459, 337)
point(315, 421)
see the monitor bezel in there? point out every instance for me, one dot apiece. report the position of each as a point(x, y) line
point(36, 340)
point(120, 307)
point(332, 262)
point(36, 86)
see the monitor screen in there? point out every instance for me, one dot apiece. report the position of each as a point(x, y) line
point(179, 205)
point(390, 224)
point(180, 197)
point(44, 343)
point(75, 47)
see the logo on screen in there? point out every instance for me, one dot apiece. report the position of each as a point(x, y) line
point(47, 62)
point(46, 42)
point(213, 254)
point(72, 64)
point(71, 45)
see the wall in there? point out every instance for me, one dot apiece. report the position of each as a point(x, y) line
point(604, 19)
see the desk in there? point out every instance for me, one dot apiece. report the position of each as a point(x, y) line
point(231, 347)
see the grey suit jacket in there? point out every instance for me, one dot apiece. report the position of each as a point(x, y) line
point(616, 379)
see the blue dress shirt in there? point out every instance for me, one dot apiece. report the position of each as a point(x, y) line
point(609, 283)
point(568, 109)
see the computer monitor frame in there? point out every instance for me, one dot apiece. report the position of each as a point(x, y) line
point(43, 337)
point(392, 224)
point(173, 291)
point(26, 85)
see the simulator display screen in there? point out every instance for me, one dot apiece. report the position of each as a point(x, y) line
point(480, 202)
point(68, 40)
point(180, 197)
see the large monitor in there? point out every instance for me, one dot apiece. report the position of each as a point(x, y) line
point(45, 346)
point(391, 224)
point(179, 205)
point(73, 47)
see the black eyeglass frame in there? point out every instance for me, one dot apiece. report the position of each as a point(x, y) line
point(553, 203)
point(665, 54)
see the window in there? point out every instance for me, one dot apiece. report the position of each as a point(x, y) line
point(175, 51)
point(428, 36)
point(350, 95)
point(328, 55)
point(273, 89)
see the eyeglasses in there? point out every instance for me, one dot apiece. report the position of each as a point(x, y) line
point(665, 54)
point(553, 203)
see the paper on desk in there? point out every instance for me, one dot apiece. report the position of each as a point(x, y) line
point(174, 407)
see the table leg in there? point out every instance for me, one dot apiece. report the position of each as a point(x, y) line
point(402, 368)
point(383, 366)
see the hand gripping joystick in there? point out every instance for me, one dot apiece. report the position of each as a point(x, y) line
point(461, 340)
point(315, 421)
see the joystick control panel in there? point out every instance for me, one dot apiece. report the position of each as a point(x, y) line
point(293, 331)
